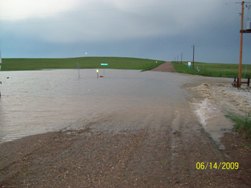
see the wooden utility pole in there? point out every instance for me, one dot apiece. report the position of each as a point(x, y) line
point(241, 46)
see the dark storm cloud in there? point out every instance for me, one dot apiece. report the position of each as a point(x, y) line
point(152, 28)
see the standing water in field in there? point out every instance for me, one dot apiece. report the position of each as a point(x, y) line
point(36, 102)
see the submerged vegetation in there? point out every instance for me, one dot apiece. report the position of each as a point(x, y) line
point(13, 64)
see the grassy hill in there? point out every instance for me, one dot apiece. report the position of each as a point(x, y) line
point(200, 68)
point(12, 64)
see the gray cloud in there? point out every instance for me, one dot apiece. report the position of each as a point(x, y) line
point(211, 24)
point(112, 20)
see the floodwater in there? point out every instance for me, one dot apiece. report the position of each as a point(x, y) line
point(35, 102)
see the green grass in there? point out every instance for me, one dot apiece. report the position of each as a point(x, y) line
point(13, 64)
point(242, 124)
point(205, 69)
point(212, 69)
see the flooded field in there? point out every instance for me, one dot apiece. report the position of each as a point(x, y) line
point(41, 101)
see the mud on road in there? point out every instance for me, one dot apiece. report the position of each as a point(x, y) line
point(149, 143)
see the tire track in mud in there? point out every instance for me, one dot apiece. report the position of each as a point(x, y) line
point(176, 162)
point(182, 135)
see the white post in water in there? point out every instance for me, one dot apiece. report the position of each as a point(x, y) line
point(97, 71)
point(78, 67)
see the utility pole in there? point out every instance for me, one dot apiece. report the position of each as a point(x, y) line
point(241, 46)
point(181, 57)
point(193, 55)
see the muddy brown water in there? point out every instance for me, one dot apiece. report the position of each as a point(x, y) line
point(35, 102)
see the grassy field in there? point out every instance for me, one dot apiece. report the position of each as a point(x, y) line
point(212, 69)
point(205, 69)
point(11, 64)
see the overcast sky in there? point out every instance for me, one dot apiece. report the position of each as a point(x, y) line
point(159, 29)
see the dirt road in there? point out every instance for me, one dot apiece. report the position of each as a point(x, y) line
point(165, 67)
point(148, 143)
